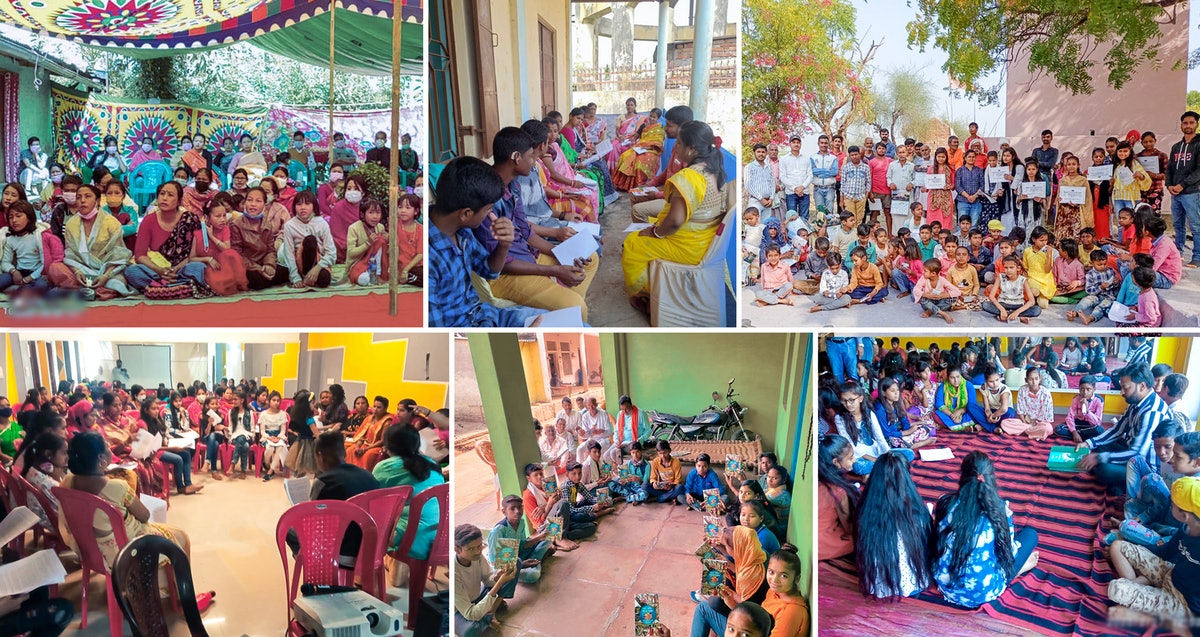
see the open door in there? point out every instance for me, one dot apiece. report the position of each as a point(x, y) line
point(549, 68)
point(485, 68)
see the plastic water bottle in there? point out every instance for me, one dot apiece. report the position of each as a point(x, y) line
point(373, 271)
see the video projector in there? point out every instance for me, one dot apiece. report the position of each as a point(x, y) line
point(352, 614)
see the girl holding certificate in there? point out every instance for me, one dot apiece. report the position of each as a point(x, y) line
point(1074, 212)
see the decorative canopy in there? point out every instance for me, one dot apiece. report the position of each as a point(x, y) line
point(157, 28)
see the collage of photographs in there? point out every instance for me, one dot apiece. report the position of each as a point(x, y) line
point(559, 318)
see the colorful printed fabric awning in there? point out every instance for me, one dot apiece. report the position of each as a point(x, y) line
point(174, 26)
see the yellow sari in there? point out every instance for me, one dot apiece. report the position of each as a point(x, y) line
point(688, 245)
point(634, 168)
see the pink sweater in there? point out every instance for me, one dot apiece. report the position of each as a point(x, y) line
point(1093, 413)
point(1148, 312)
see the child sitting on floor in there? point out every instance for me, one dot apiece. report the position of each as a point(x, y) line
point(1100, 286)
point(858, 424)
point(997, 401)
point(776, 278)
point(1163, 581)
point(1068, 274)
point(907, 268)
point(1085, 415)
point(1010, 298)
point(1127, 296)
point(978, 550)
point(1035, 409)
point(837, 498)
point(832, 295)
point(700, 479)
point(894, 532)
point(900, 432)
point(633, 487)
point(532, 550)
point(866, 282)
point(815, 264)
point(953, 400)
point(934, 293)
point(753, 514)
point(964, 275)
point(593, 474)
point(1147, 511)
point(1148, 312)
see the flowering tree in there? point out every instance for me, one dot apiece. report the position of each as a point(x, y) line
point(803, 70)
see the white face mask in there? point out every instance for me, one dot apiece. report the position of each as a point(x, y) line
point(181, 181)
point(187, 145)
point(379, 143)
point(335, 176)
point(36, 148)
point(339, 143)
point(270, 198)
point(147, 147)
point(111, 150)
point(354, 196)
point(69, 197)
point(56, 178)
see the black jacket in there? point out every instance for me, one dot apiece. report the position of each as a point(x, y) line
point(1183, 165)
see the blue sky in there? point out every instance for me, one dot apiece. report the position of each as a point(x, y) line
point(886, 20)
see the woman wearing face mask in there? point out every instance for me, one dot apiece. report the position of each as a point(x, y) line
point(286, 193)
point(13, 192)
point(301, 152)
point(239, 184)
point(182, 176)
point(69, 206)
point(410, 162)
point(306, 247)
point(330, 192)
point(185, 146)
point(197, 196)
point(253, 235)
point(250, 159)
point(164, 244)
point(52, 191)
point(116, 203)
point(148, 151)
point(345, 212)
point(109, 158)
point(96, 255)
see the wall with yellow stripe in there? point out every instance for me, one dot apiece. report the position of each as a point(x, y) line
point(381, 365)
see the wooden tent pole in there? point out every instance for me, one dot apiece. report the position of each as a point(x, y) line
point(394, 173)
point(332, 12)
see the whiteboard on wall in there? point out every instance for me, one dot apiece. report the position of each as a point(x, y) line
point(148, 365)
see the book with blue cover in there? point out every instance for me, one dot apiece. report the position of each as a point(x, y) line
point(645, 614)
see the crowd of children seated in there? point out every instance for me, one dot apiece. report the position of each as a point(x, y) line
point(994, 233)
point(878, 403)
point(575, 495)
point(272, 226)
point(500, 223)
point(125, 443)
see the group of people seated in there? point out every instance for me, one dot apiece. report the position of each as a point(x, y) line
point(271, 227)
point(126, 444)
point(968, 228)
point(886, 402)
point(501, 222)
point(582, 478)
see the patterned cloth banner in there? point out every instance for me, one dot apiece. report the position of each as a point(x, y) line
point(10, 83)
point(81, 122)
point(359, 127)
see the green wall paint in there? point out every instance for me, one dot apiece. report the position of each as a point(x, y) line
point(34, 104)
point(497, 359)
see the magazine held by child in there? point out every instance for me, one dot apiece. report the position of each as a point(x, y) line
point(551, 482)
point(603, 497)
point(713, 577)
point(645, 613)
point(734, 467)
point(708, 551)
point(506, 553)
point(712, 500)
point(712, 526)
point(554, 528)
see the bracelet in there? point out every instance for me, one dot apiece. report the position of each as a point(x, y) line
point(654, 231)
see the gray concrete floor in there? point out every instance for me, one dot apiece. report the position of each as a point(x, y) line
point(607, 304)
point(1184, 299)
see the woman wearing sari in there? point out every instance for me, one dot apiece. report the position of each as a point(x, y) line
point(249, 159)
point(560, 169)
point(366, 447)
point(638, 164)
point(595, 128)
point(164, 244)
point(564, 192)
point(688, 223)
point(583, 157)
point(627, 132)
point(570, 157)
point(95, 255)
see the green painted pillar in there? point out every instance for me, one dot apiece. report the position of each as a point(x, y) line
point(798, 446)
point(615, 366)
point(505, 397)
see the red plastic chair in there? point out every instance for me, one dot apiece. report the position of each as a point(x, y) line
point(439, 554)
point(257, 450)
point(15, 497)
point(385, 507)
point(80, 509)
point(320, 527)
point(46, 538)
point(199, 457)
point(226, 455)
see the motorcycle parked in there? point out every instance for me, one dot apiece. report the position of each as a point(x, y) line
point(714, 423)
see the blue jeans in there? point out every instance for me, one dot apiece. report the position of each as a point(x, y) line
point(902, 281)
point(40, 284)
point(799, 203)
point(241, 452)
point(213, 442)
point(826, 197)
point(865, 294)
point(843, 359)
point(1149, 496)
point(181, 465)
point(527, 574)
point(140, 277)
point(980, 417)
point(664, 496)
point(464, 627)
point(862, 467)
point(704, 618)
point(1185, 211)
point(973, 210)
point(1028, 538)
point(908, 454)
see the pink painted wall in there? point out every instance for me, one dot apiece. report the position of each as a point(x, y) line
point(1153, 99)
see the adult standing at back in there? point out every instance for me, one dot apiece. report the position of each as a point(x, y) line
point(825, 170)
point(795, 173)
point(1133, 434)
point(1183, 182)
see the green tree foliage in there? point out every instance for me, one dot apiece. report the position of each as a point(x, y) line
point(1058, 38)
point(902, 103)
point(244, 75)
point(1193, 101)
point(802, 68)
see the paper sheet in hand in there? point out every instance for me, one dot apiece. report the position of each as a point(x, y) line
point(157, 507)
point(40, 569)
point(876, 205)
point(637, 227)
point(18, 521)
point(567, 317)
point(934, 181)
point(604, 148)
point(1100, 173)
point(581, 246)
point(1033, 188)
point(936, 455)
point(996, 175)
point(918, 180)
point(1072, 194)
point(583, 227)
point(1125, 175)
point(1149, 163)
point(298, 490)
point(429, 434)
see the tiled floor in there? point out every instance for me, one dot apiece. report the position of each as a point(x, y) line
point(643, 549)
point(232, 527)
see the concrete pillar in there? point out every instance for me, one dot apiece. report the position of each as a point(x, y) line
point(506, 408)
point(720, 17)
point(522, 45)
point(660, 55)
point(595, 40)
point(622, 37)
point(544, 364)
point(614, 362)
point(701, 58)
point(583, 362)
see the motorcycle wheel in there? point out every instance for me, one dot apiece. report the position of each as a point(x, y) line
point(736, 435)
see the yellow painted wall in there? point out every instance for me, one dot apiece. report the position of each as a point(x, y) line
point(376, 364)
point(285, 366)
point(535, 371)
point(10, 374)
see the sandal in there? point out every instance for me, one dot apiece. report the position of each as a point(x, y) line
point(204, 600)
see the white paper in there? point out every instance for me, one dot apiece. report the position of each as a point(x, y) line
point(1149, 163)
point(899, 209)
point(580, 246)
point(1033, 188)
point(935, 181)
point(429, 434)
point(18, 521)
point(918, 180)
point(640, 151)
point(936, 455)
point(1072, 194)
point(40, 569)
point(583, 227)
point(157, 507)
point(1100, 173)
point(604, 148)
point(297, 489)
point(1124, 175)
point(129, 466)
point(876, 205)
point(996, 175)
point(566, 317)
point(637, 227)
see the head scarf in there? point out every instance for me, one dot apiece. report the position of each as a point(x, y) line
point(78, 411)
point(779, 241)
point(750, 561)
point(1185, 494)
